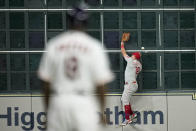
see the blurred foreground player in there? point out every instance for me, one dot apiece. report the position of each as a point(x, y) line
point(132, 70)
point(74, 68)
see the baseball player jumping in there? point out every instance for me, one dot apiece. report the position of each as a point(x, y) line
point(132, 70)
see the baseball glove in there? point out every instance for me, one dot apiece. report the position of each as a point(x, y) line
point(125, 37)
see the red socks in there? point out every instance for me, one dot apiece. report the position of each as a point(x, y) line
point(128, 111)
point(131, 111)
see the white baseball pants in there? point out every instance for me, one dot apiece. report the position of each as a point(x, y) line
point(73, 113)
point(129, 90)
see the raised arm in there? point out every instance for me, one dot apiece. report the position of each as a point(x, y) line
point(125, 37)
point(123, 51)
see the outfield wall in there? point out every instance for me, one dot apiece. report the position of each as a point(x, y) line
point(157, 112)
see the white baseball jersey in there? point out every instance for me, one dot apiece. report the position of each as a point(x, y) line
point(132, 69)
point(74, 64)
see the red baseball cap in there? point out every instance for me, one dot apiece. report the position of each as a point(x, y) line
point(137, 55)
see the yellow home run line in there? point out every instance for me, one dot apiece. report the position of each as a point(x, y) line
point(194, 98)
point(136, 94)
point(154, 94)
point(21, 95)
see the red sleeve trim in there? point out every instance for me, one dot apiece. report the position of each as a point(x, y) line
point(122, 46)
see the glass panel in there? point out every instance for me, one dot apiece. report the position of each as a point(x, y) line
point(54, 3)
point(17, 20)
point(187, 38)
point(148, 38)
point(17, 39)
point(2, 39)
point(129, 2)
point(17, 62)
point(111, 20)
point(148, 20)
point(16, 3)
point(52, 34)
point(2, 3)
point(129, 20)
point(2, 20)
point(149, 61)
point(110, 2)
point(36, 39)
point(94, 21)
point(95, 34)
point(3, 81)
point(171, 61)
point(133, 40)
point(188, 61)
point(34, 60)
point(114, 61)
point(171, 80)
point(139, 81)
point(187, 20)
point(36, 4)
point(170, 38)
point(115, 84)
point(35, 83)
point(149, 80)
point(93, 2)
point(111, 39)
point(170, 20)
point(188, 80)
point(72, 2)
point(170, 2)
point(18, 81)
point(187, 2)
point(36, 20)
point(148, 2)
point(55, 23)
point(3, 62)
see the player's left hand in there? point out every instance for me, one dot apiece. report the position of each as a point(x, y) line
point(125, 37)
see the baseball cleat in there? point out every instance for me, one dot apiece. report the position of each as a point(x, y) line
point(125, 122)
point(133, 116)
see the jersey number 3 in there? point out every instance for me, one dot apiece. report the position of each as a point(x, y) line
point(71, 68)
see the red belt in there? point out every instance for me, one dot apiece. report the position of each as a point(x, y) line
point(128, 83)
